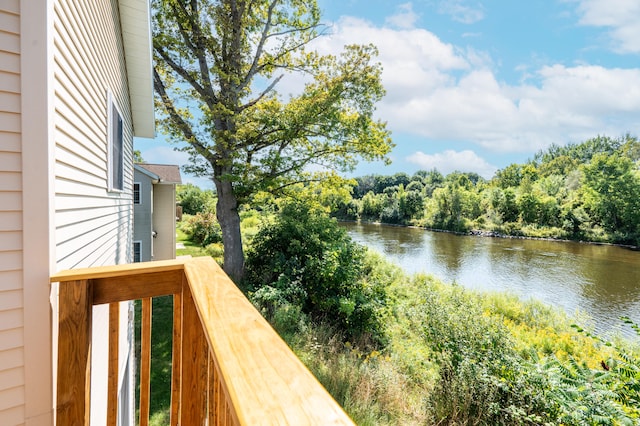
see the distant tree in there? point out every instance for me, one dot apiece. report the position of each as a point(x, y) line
point(509, 177)
point(217, 66)
point(137, 156)
point(195, 200)
point(613, 186)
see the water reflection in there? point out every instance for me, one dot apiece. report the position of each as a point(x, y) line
point(601, 281)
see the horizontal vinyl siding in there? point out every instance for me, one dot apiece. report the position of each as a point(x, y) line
point(93, 226)
point(11, 297)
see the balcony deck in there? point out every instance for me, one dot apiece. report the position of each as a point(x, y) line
point(229, 366)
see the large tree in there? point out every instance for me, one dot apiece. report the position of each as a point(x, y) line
point(218, 65)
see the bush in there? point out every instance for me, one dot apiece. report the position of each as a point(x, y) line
point(305, 259)
point(194, 200)
point(203, 229)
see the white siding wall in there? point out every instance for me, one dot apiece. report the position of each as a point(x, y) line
point(92, 226)
point(11, 295)
point(164, 221)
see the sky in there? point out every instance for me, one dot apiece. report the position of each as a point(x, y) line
point(476, 85)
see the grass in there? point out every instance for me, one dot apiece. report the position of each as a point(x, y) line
point(161, 342)
point(161, 345)
point(190, 248)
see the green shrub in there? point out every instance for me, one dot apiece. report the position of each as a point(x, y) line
point(305, 259)
point(203, 228)
point(194, 200)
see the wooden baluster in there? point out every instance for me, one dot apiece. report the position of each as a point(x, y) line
point(193, 407)
point(145, 361)
point(176, 360)
point(210, 390)
point(112, 387)
point(74, 353)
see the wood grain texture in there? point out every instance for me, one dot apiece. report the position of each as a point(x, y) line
point(119, 270)
point(145, 361)
point(229, 366)
point(193, 407)
point(176, 358)
point(112, 384)
point(264, 381)
point(138, 286)
point(74, 353)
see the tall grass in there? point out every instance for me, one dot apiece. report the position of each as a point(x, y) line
point(455, 356)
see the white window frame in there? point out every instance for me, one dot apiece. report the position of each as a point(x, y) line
point(139, 185)
point(115, 129)
point(139, 242)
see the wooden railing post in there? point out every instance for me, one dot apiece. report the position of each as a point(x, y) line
point(145, 361)
point(193, 409)
point(112, 384)
point(229, 366)
point(176, 360)
point(74, 353)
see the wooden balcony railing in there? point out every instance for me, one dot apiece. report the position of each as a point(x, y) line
point(229, 367)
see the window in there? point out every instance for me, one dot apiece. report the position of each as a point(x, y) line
point(137, 251)
point(136, 193)
point(115, 136)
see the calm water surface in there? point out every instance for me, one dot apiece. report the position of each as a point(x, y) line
point(600, 281)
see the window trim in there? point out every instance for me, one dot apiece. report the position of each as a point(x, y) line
point(139, 185)
point(133, 254)
point(114, 183)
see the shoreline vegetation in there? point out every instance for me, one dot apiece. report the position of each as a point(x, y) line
point(493, 234)
point(400, 349)
point(583, 192)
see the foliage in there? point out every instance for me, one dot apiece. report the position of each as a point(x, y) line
point(303, 258)
point(218, 64)
point(445, 354)
point(612, 185)
point(202, 228)
point(137, 156)
point(585, 191)
point(161, 348)
point(195, 200)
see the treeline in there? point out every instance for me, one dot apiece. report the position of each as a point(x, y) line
point(586, 191)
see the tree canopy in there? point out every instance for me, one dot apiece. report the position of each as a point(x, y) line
point(218, 67)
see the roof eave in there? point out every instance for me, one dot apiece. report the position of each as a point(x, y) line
point(135, 17)
point(154, 177)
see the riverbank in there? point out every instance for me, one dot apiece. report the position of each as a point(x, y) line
point(597, 282)
point(456, 356)
point(494, 234)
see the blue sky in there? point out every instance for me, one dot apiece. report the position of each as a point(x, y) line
point(476, 85)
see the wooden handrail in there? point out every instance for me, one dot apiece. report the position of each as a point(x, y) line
point(229, 366)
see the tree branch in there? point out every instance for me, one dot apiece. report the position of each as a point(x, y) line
point(181, 123)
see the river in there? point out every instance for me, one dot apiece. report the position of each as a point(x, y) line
point(600, 281)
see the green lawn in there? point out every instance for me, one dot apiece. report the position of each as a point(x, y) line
point(161, 343)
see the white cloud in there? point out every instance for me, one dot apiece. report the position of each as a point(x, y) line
point(450, 161)
point(405, 18)
point(462, 12)
point(439, 91)
point(621, 17)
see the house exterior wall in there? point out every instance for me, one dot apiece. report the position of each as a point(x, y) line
point(164, 221)
point(93, 226)
point(59, 60)
point(142, 216)
point(12, 380)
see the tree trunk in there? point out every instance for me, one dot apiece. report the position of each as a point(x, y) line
point(229, 219)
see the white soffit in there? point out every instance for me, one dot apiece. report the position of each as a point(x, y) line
point(135, 19)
